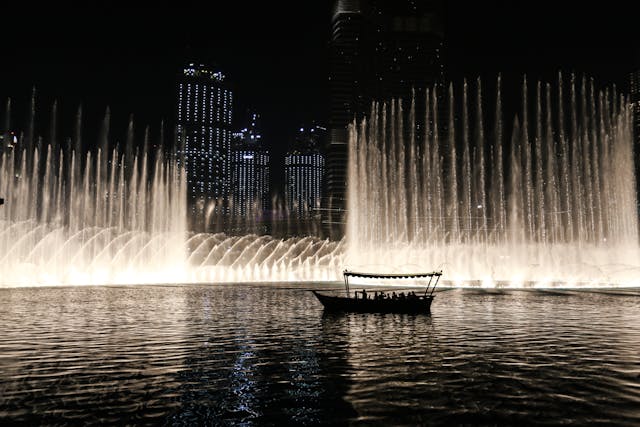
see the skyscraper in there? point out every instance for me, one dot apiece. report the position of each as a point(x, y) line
point(379, 50)
point(250, 185)
point(346, 90)
point(304, 170)
point(204, 114)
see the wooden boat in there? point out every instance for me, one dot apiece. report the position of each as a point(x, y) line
point(382, 302)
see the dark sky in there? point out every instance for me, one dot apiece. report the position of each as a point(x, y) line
point(275, 54)
point(128, 57)
point(539, 38)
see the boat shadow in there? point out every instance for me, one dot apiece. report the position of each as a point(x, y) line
point(372, 351)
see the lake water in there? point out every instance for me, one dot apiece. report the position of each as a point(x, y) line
point(268, 355)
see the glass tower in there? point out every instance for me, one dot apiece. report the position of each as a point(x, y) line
point(379, 50)
point(304, 169)
point(250, 183)
point(204, 113)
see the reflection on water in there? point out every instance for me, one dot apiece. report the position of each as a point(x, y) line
point(267, 354)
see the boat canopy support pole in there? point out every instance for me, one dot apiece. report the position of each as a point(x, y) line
point(346, 285)
point(433, 288)
point(428, 284)
point(434, 285)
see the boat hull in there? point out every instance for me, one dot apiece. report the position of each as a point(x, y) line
point(344, 304)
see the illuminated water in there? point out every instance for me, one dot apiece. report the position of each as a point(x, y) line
point(551, 204)
point(117, 215)
point(266, 355)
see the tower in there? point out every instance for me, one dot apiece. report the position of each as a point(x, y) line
point(250, 184)
point(304, 170)
point(346, 90)
point(203, 125)
point(379, 50)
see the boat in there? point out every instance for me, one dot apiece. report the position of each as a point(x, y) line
point(380, 301)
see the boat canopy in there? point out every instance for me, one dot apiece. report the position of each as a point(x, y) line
point(392, 275)
point(430, 276)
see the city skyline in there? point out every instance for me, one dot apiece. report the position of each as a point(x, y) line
point(133, 70)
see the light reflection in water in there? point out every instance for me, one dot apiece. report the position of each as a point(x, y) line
point(267, 354)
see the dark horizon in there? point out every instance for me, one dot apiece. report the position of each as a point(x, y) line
point(128, 58)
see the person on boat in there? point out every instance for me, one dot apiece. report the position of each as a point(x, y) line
point(364, 294)
point(393, 295)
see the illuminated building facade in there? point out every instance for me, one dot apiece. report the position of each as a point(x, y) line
point(346, 68)
point(204, 114)
point(304, 171)
point(379, 50)
point(250, 185)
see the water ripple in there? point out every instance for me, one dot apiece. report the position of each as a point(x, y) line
point(268, 355)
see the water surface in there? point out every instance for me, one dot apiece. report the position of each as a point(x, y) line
point(268, 355)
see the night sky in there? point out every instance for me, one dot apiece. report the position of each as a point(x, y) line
point(275, 55)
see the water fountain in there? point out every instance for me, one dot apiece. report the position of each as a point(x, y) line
point(105, 216)
point(117, 215)
point(554, 204)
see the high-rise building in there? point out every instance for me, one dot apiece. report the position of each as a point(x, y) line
point(379, 50)
point(346, 79)
point(203, 124)
point(250, 185)
point(304, 170)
